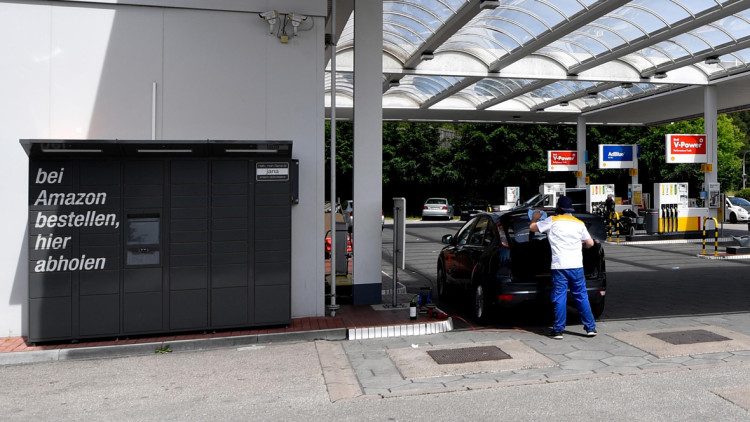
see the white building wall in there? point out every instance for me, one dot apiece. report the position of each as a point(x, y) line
point(82, 70)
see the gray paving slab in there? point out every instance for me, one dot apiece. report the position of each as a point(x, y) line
point(588, 355)
point(582, 364)
point(624, 361)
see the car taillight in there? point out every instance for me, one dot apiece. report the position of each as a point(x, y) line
point(444, 207)
point(504, 298)
point(425, 207)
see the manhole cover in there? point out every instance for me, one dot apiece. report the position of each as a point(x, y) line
point(468, 354)
point(689, 337)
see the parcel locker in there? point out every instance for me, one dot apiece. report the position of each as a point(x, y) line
point(137, 237)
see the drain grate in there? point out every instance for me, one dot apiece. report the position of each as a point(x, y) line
point(468, 354)
point(689, 337)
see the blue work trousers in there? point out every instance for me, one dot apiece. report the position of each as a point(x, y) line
point(573, 279)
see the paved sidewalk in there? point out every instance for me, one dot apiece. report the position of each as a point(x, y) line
point(403, 366)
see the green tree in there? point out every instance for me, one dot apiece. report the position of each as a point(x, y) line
point(479, 160)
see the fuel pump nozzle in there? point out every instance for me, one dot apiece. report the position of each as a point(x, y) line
point(663, 218)
point(674, 217)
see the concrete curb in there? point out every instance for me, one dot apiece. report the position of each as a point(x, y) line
point(401, 330)
point(145, 349)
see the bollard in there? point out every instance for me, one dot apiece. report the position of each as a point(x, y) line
point(716, 235)
point(617, 226)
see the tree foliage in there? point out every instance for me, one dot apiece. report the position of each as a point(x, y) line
point(464, 161)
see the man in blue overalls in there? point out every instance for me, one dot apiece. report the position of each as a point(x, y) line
point(566, 234)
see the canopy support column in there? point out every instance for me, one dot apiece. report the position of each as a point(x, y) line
point(367, 284)
point(581, 148)
point(710, 118)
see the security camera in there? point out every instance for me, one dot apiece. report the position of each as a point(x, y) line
point(271, 14)
point(271, 17)
point(296, 20)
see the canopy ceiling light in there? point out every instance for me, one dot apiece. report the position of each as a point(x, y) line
point(592, 95)
point(660, 75)
point(427, 55)
point(564, 103)
point(626, 85)
point(488, 4)
point(712, 60)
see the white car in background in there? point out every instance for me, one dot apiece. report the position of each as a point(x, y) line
point(437, 208)
point(738, 209)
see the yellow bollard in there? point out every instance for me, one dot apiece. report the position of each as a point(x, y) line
point(716, 235)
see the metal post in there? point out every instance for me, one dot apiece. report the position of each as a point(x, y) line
point(333, 306)
point(744, 175)
point(395, 254)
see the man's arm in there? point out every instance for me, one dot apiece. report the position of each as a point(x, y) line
point(534, 218)
point(588, 243)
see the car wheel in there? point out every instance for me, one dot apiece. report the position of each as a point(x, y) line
point(597, 308)
point(631, 231)
point(733, 218)
point(442, 286)
point(481, 304)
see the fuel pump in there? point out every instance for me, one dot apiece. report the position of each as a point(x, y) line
point(554, 191)
point(512, 195)
point(671, 199)
point(596, 196)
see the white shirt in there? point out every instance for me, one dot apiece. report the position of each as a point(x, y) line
point(565, 234)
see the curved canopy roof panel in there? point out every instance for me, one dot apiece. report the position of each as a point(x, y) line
point(549, 61)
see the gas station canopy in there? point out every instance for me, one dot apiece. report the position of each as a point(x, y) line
point(639, 62)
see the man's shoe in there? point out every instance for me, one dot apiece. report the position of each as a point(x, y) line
point(591, 333)
point(557, 335)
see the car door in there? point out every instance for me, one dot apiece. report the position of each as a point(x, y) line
point(530, 251)
point(471, 251)
point(453, 254)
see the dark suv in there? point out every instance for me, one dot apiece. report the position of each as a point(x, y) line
point(502, 263)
